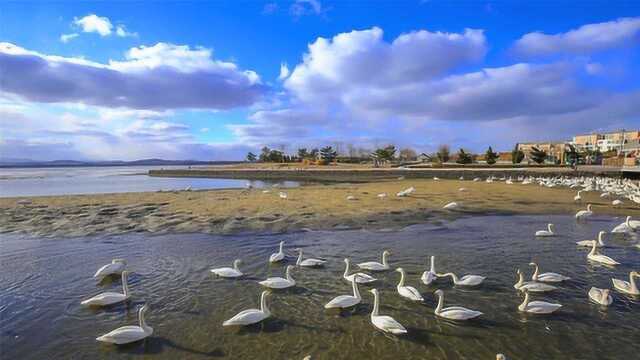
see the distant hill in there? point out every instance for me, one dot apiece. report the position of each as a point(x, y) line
point(13, 162)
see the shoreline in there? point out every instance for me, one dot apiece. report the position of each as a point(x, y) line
point(315, 206)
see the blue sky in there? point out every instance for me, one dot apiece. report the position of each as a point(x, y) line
point(203, 80)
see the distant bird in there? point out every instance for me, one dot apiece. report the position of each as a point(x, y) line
point(346, 301)
point(461, 178)
point(283, 195)
point(548, 232)
point(589, 243)
point(383, 322)
point(532, 286)
point(278, 282)
point(577, 197)
point(453, 312)
point(629, 288)
point(110, 298)
point(451, 206)
point(406, 192)
point(229, 272)
point(600, 296)
point(617, 202)
point(115, 268)
point(408, 292)
point(466, 280)
point(376, 266)
point(251, 316)
point(129, 334)
point(382, 195)
point(361, 278)
point(476, 179)
point(584, 214)
point(430, 275)
point(462, 189)
point(435, 178)
point(351, 197)
point(279, 256)
point(548, 277)
point(308, 262)
point(603, 259)
point(537, 307)
point(624, 228)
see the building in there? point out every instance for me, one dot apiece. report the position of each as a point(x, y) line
point(556, 150)
point(604, 142)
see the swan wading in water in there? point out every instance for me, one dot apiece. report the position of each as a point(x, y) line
point(251, 316)
point(467, 280)
point(110, 298)
point(278, 282)
point(584, 214)
point(361, 278)
point(430, 275)
point(229, 272)
point(603, 259)
point(548, 277)
point(283, 195)
point(589, 243)
point(406, 192)
point(346, 301)
point(617, 202)
point(376, 266)
point(454, 312)
point(532, 286)
point(624, 228)
point(578, 197)
point(630, 287)
point(634, 224)
point(279, 256)
point(115, 268)
point(408, 292)
point(537, 307)
point(308, 262)
point(129, 334)
point(383, 322)
point(600, 296)
point(451, 206)
point(549, 232)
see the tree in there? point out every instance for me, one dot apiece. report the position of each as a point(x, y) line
point(443, 153)
point(408, 154)
point(464, 157)
point(537, 155)
point(517, 155)
point(276, 156)
point(313, 154)
point(264, 154)
point(328, 155)
point(303, 153)
point(572, 155)
point(251, 157)
point(491, 156)
point(386, 153)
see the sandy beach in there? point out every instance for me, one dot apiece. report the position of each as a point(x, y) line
point(310, 206)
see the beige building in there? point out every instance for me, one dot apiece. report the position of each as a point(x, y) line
point(611, 141)
point(555, 150)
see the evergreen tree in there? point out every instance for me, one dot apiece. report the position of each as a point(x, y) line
point(464, 157)
point(303, 153)
point(386, 154)
point(251, 157)
point(491, 156)
point(537, 155)
point(517, 155)
point(264, 154)
point(328, 155)
point(443, 153)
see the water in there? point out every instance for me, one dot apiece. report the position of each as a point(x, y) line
point(100, 180)
point(42, 282)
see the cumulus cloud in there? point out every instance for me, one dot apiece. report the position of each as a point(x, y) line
point(284, 71)
point(159, 77)
point(306, 7)
point(586, 39)
point(65, 38)
point(94, 23)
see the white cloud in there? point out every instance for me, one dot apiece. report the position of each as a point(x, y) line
point(121, 31)
point(94, 23)
point(284, 71)
point(65, 38)
point(306, 7)
point(586, 39)
point(269, 8)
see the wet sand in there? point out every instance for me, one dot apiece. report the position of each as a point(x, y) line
point(313, 206)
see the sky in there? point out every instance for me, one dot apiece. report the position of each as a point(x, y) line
point(212, 80)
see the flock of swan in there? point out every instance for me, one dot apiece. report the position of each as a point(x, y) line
point(539, 283)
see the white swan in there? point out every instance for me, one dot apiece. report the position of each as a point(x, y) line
point(409, 292)
point(548, 277)
point(346, 301)
point(229, 272)
point(283, 195)
point(110, 298)
point(600, 296)
point(594, 256)
point(115, 268)
point(278, 282)
point(451, 206)
point(467, 280)
point(624, 228)
point(589, 243)
point(537, 307)
point(548, 232)
point(351, 197)
point(251, 316)
point(617, 202)
point(406, 192)
point(454, 312)
point(376, 266)
point(583, 214)
point(382, 195)
point(361, 278)
point(308, 262)
point(279, 256)
point(532, 286)
point(430, 275)
point(383, 322)
point(630, 287)
point(577, 197)
point(129, 334)
point(633, 224)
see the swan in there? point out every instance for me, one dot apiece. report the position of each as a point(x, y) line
point(406, 192)
point(548, 277)
point(633, 224)
point(600, 296)
point(577, 197)
point(461, 178)
point(467, 280)
point(376, 266)
point(593, 256)
point(382, 195)
point(532, 286)
point(428, 276)
point(229, 272)
point(308, 262)
point(129, 334)
point(361, 278)
point(451, 206)
point(115, 268)
point(627, 287)
point(110, 298)
point(589, 243)
point(549, 232)
point(583, 214)
point(351, 197)
point(278, 282)
point(501, 357)
point(346, 301)
point(435, 178)
point(407, 291)
point(251, 316)
point(454, 312)
point(624, 228)
point(617, 202)
point(279, 256)
point(383, 322)
point(476, 179)
point(283, 195)
point(462, 189)
point(537, 307)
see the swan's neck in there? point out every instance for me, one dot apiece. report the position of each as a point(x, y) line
point(281, 247)
point(432, 268)
point(384, 259)
point(235, 266)
point(299, 258)
point(535, 274)
point(401, 283)
point(143, 324)
point(632, 284)
point(376, 304)
point(525, 302)
point(520, 279)
point(263, 304)
point(440, 303)
point(550, 228)
point(453, 276)
point(346, 269)
point(600, 237)
point(125, 285)
point(627, 221)
point(593, 248)
point(356, 292)
point(288, 274)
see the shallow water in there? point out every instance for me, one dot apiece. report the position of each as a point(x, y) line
point(109, 179)
point(43, 280)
